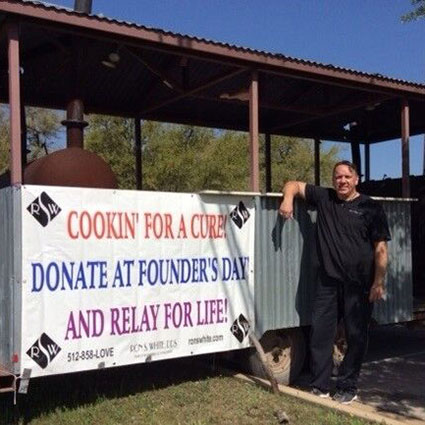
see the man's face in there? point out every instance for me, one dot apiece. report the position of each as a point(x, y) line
point(345, 181)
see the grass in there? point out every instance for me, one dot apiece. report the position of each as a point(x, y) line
point(163, 393)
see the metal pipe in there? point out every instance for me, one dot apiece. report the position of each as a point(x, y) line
point(317, 162)
point(355, 154)
point(254, 133)
point(14, 105)
point(367, 161)
point(83, 6)
point(75, 124)
point(405, 133)
point(138, 152)
point(268, 162)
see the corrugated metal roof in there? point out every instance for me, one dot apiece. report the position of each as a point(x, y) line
point(101, 17)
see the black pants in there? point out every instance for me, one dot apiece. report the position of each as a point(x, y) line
point(335, 299)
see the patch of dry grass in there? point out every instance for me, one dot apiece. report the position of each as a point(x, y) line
point(173, 392)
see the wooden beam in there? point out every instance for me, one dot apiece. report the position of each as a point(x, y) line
point(254, 133)
point(405, 166)
point(191, 92)
point(14, 104)
point(167, 80)
point(297, 109)
point(340, 110)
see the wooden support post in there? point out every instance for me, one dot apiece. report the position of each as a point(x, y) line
point(405, 166)
point(138, 152)
point(268, 162)
point(317, 162)
point(423, 160)
point(254, 133)
point(367, 161)
point(14, 104)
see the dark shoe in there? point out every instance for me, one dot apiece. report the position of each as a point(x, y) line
point(319, 393)
point(345, 397)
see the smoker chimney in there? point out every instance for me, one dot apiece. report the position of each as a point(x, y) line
point(83, 6)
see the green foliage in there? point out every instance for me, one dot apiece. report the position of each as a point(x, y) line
point(293, 159)
point(417, 13)
point(43, 127)
point(176, 158)
point(183, 158)
point(4, 141)
point(112, 139)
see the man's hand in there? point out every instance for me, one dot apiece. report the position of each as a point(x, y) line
point(290, 191)
point(286, 209)
point(377, 292)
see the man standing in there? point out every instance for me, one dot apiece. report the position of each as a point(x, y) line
point(352, 235)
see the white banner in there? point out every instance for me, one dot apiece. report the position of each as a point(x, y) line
point(115, 277)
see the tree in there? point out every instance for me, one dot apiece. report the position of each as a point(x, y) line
point(43, 126)
point(184, 158)
point(112, 139)
point(292, 159)
point(417, 13)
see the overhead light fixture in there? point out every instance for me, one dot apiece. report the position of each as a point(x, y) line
point(112, 61)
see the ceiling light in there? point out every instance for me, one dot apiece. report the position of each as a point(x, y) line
point(112, 61)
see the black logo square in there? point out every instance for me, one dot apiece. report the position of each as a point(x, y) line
point(44, 209)
point(239, 214)
point(240, 328)
point(44, 350)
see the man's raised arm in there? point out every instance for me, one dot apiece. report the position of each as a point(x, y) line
point(290, 191)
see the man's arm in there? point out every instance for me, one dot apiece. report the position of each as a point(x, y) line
point(290, 191)
point(377, 290)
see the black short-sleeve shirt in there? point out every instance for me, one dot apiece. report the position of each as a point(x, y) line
point(346, 232)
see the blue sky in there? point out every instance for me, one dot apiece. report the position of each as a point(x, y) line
point(365, 35)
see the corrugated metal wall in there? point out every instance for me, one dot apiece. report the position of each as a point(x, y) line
point(10, 272)
point(399, 304)
point(286, 266)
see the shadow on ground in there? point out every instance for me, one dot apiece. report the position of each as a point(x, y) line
point(78, 389)
point(393, 376)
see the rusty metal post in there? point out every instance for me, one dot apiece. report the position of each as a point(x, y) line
point(138, 152)
point(254, 133)
point(75, 124)
point(317, 162)
point(405, 133)
point(367, 161)
point(268, 159)
point(355, 154)
point(14, 104)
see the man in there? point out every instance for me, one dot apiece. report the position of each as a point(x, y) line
point(352, 235)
